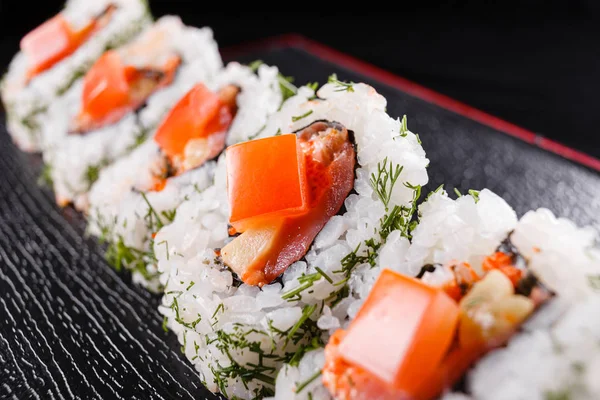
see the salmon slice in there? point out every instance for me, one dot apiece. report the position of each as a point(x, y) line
point(196, 128)
point(55, 40)
point(111, 89)
point(404, 329)
point(265, 250)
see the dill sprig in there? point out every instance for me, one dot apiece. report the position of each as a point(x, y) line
point(178, 319)
point(287, 87)
point(474, 194)
point(306, 313)
point(92, 172)
point(383, 183)
point(153, 221)
point(403, 127)
point(254, 65)
point(305, 281)
point(227, 342)
point(299, 117)
point(341, 86)
point(301, 385)
point(45, 178)
point(313, 86)
point(119, 255)
point(400, 217)
point(30, 121)
point(439, 188)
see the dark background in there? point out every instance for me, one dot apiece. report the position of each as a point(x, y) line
point(533, 63)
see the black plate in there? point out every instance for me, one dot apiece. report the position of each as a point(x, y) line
point(71, 327)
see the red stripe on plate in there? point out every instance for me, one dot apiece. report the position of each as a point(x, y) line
point(416, 90)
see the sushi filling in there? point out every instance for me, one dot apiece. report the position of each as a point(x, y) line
point(441, 324)
point(282, 191)
point(195, 131)
point(56, 39)
point(112, 88)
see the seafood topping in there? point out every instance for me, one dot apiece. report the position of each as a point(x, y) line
point(411, 340)
point(55, 40)
point(282, 191)
point(111, 89)
point(195, 129)
point(415, 326)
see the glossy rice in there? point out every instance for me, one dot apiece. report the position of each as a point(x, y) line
point(211, 312)
point(125, 212)
point(28, 105)
point(75, 160)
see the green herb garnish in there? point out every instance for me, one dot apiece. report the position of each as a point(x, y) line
point(306, 114)
point(341, 86)
point(301, 385)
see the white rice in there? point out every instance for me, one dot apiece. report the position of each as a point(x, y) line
point(207, 311)
point(558, 353)
point(117, 211)
point(27, 104)
point(75, 160)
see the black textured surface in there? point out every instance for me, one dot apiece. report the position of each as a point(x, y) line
point(70, 327)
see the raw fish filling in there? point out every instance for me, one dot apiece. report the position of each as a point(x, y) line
point(282, 191)
point(112, 88)
point(428, 335)
point(195, 130)
point(55, 40)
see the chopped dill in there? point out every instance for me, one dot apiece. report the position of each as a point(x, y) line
point(383, 183)
point(169, 214)
point(164, 324)
point(562, 394)
point(299, 117)
point(441, 187)
point(220, 307)
point(313, 86)
point(197, 188)
point(287, 88)
point(152, 218)
point(192, 283)
point(45, 178)
point(254, 65)
point(92, 173)
point(594, 281)
point(179, 320)
point(458, 193)
point(403, 127)
point(74, 77)
point(301, 385)
point(119, 255)
point(306, 281)
point(324, 275)
point(182, 348)
point(418, 138)
point(166, 247)
point(474, 194)
point(251, 137)
point(341, 86)
point(307, 311)
point(29, 121)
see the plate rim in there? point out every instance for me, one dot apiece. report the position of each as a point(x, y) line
point(419, 91)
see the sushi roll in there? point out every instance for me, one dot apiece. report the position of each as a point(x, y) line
point(139, 194)
point(57, 53)
point(486, 280)
point(120, 100)
point(255, 265)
